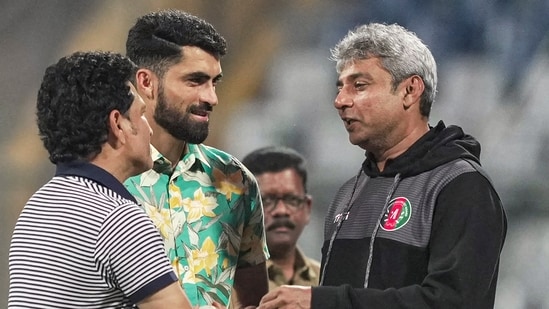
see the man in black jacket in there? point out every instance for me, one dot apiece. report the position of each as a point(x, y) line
point(420, 225)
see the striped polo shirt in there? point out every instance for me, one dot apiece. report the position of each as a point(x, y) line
point(81, 241)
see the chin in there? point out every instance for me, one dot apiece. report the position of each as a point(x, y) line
point(354, 140)
point(140, 167)
point(280, 240)
point(147, 166)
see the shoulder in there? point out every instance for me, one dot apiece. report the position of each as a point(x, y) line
point(213, 155)
point(444, 174)
point(210, 152)
point(310, 262)
point(86, 192)
point(220, 159)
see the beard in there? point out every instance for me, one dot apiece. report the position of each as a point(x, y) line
point(180, 125)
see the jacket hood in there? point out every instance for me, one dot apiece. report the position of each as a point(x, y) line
point(438, 146)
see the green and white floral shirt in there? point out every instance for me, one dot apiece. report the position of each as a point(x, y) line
point(208, 211)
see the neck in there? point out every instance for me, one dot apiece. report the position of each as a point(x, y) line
point(111, 164)
point(170, 147)
point(286, 262)
point(401, 146)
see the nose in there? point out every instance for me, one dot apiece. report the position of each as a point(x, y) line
point(208, 94)
point(278, 210)
point(342, 100)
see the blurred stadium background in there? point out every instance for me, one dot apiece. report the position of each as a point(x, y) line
point(279, 85)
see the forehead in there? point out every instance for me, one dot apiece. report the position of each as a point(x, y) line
point(285, 180)
point(195, 59)
point(363, 68)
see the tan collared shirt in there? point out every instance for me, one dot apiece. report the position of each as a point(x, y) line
point(306, 272)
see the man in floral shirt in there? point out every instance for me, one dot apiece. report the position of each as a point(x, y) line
point(203, 201)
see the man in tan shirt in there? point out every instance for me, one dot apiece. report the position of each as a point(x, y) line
point(282, 179)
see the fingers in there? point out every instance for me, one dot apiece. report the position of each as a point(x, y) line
point(287, 297)
point(273, 299)
point(269, 296)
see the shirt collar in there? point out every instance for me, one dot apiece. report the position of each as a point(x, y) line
point(161, 164)
point(164, 166)
point(95, 173)
point(198, 152)
point(301, 265)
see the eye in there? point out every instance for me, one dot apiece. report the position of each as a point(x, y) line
point(268, 201)
point(195, 81)
point(360, 85)
point(216, 81)
point(292, 200)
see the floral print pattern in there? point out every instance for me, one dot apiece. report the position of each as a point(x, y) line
point(208, 212)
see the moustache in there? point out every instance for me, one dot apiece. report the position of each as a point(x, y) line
point(284, 222)
point(201, 107)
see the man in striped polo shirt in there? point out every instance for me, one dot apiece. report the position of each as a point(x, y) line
point(77, 238)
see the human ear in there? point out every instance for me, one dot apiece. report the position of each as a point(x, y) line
point(308, 207)
point(115, 123)
point(413, 89)
point(146, 82)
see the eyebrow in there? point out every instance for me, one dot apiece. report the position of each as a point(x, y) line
point(203, 76)
point(353, 76)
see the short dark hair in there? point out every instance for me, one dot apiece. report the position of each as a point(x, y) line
point(75, 99)
point(156, 39)
point(276, 159)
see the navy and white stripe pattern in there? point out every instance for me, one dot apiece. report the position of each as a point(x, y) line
point(79, 244)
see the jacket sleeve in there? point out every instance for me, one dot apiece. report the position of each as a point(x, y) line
point(469, 227)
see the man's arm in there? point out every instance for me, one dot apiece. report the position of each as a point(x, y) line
point(172, 296)
point(251, 283)
point(251, 280)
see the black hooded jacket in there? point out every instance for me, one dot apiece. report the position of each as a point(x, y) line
point(427, 232)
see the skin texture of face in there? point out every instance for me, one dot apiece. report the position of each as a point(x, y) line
point(187, 94)
point(139, 135)
point(373, 114)
point(283, 227)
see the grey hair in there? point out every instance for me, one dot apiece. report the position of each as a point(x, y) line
point(401, 53)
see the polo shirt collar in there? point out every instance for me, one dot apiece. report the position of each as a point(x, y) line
point(95, 173)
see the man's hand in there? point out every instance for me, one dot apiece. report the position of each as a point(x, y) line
point(287, 297)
